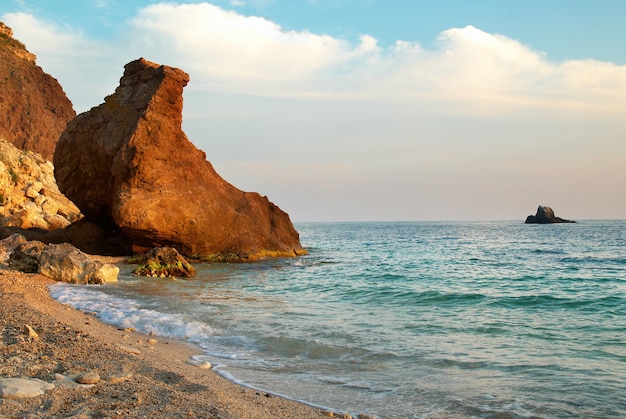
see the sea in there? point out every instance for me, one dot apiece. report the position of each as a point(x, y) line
point(406, 319)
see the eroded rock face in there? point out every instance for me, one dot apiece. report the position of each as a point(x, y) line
point(127, 163)
point(34, 108)
point(545, 215)
point(29, 195)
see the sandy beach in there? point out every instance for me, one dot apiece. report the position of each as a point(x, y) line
point(139, 376)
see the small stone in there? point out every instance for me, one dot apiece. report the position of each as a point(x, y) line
point(129, 349)
point(21, 388)
point(31, 332)
point(39, 200)
point(152, 341)
point(364, 416)
point(32, 190)
point(205, 365)
point(67, 382)
point(88, 378)
point(116, 379)
point(328, 414)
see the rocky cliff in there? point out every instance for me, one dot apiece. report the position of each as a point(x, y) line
point(34, 108)
point(128, 164)
point(29, 196)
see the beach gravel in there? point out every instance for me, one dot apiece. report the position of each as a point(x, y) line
point(155, 379)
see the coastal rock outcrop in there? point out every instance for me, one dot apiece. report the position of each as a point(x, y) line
point(164, 262)
point(127, 163)
point(34, 108)
point(545, 215)
point(29, 195)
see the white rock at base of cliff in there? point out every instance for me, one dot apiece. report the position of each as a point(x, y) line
point(29, 195)
point(63, 262)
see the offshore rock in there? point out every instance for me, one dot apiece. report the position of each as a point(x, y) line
point(164, 262)
point(34, 108)
point(29, 195)
point(545, 215)
point(127, 163)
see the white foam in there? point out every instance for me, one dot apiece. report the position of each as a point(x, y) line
point(127, 313)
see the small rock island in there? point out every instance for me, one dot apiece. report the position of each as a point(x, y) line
point(545, 215)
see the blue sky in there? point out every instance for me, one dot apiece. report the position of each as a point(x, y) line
point(372, 110)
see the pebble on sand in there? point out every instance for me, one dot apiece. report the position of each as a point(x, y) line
point(88, 378)
point(129, 349)
point(21, 388)
point(31, 332)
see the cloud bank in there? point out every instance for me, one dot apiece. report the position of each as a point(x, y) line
point(229, 52)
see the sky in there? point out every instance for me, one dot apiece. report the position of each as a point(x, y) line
point(372, 110)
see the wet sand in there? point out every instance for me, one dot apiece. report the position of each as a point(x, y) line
point(140, 376)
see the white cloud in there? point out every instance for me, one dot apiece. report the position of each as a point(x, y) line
point(228, 51)
point(468, 71)
point(85, 68)
point(46, 37)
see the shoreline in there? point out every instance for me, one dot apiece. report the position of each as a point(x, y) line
point(140, 375)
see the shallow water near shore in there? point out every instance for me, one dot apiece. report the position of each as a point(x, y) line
point(407, 320)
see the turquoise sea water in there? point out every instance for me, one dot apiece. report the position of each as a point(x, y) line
point(408, 320)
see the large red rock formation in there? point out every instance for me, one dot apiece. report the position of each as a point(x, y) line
point(34, 108)
point(128, 163)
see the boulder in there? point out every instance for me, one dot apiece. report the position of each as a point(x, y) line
point(545, 215)
point(127, 163)
point(34, 108)
point(164, 262)
point(25, 257)
point(63, 262)
point(8, 244)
